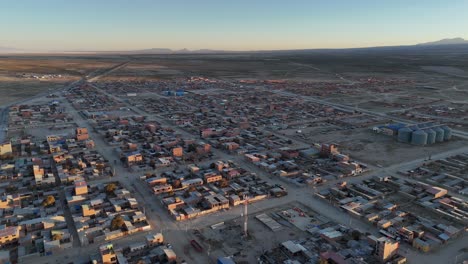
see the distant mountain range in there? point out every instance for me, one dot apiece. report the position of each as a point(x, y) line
point(447, 41)
point(170, 51)
point(440, 46)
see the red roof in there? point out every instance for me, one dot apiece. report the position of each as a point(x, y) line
point(80, 183)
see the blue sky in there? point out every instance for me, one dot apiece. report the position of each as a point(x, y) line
point(227, 24)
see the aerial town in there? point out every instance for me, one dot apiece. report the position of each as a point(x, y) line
point(233, 132)
point(197, 169)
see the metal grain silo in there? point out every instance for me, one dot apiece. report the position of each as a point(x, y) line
point(404, 135)
point(431, 136)
point(439, 134)
point(419, 138)
point(447, 132)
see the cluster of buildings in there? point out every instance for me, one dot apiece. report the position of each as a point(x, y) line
point(452, 110)
point(422, 215)
point(222, 110)
point(152, 250)
point(88, 164)
point(452, 114)
point(321, 240)
point(79, 140)
point(40, 115)
point(247, 140)
point(199, 190)
point(274, 111)
point(265, 126)
point(336, 244)
point(27, 145)
point(449, 173)
point(309, 166)
point(33, 218)
point(233, 121)
point(159, 86)
point(58, 159)
point(85, 97)
point(28, 171)
point(32, 223)
point(145, 145)
point(327, 89)
point(103, 212)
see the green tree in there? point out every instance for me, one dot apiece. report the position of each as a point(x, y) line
point(176, 184)
point(100, 167)
point(323, 261)
point(110, 188)
point(223, 183)
point(48, 201)
point(8, 156)
point(117, 223)
point(57, 237)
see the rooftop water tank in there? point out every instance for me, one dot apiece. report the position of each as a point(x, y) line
point(447, 132)
point(419, 138)
point(431, 136)
point(439, 134)
point(404, 135)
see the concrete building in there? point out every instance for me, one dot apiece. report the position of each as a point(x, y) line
point(217, 201)
point(435, 191)
point(327, 150)
point(81, 187)
point(178, 152)
point(212, 177)
point(154, 239)
point(87, 211)
point(163, 188)
point(8, 235)
point(192, 182)
point(5, 148)
point(82, 134)
point(134, 157)
point(107, 254)
point(386, 248)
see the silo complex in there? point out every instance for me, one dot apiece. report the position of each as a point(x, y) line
point(439, 134)
point(447, 132)
point(431, 136)
point(427, 133)
point(419, 138)
point(404, 135)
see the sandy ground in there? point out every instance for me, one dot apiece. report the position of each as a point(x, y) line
point(12, 90)
point(376, 149)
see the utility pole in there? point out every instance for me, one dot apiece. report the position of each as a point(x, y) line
point(246, 202)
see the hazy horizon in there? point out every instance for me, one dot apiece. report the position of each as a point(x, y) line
point(53, 25)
